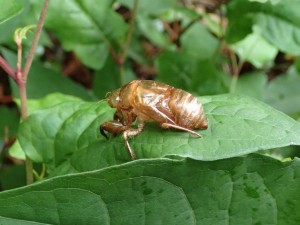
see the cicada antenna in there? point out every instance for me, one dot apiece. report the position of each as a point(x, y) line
point(107, 95)
point(102, 100)
point(105, 99)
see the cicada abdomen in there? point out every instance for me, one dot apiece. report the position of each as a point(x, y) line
point(187, 110)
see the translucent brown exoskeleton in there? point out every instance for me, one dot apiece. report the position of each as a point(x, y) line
point(147, 100)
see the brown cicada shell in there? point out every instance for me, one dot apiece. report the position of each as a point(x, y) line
point(146, 100)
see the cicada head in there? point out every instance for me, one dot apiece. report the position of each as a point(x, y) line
point(114, 98)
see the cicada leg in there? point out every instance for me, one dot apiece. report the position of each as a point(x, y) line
point(168, 125)
point(115, 128)
point(131, 133)
point(112, 127)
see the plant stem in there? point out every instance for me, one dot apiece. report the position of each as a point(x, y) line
point(23, 96)
point(236, 67)
point(6, 67)
point(21, 77)
point(22, 80)
point(128, 41)
point(35, 40)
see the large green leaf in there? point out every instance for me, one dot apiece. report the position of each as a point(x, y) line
point(273, 20)
point(283, 93)
point(199, 42)
point(89, 28)
point(246, 190)
point(252, 84)
point(36, 104)
point(9, 9)
point(157, 35)
point(152, 17)
point(68, 134)
point(256, 50)
point(187, 71)
point(62, 130)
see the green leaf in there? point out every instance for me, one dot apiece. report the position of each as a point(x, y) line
point(21, 33)
point(283, 93)
point(27, 16)
point(47, 101)
point(274, 21)
point(93, 56)
point(68, 134)
point(82, 26)
point(157, 35)
point(9, 9)
point(63, 129)
point(280, 22)
point(252, 84)
point(64, 206)
point(255, 50)
point(106, 79)
point(16, 151)
point(248, 190)
point(154, 7)
point(184, 70)
point(8, 221)
point(36, 104)
point(240, 19)
point(185, 15)
point(199, 43)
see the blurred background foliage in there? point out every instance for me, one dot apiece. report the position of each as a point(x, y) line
point(206, 47)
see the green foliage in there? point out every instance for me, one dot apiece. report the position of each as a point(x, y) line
point(283, 98)
point(9, 9)
point(175, 191)
point(17, 172)
point(244, 170)
point(274, 21)
point(11, 121)
point(84, 28)
point(52, 81)
point(237, 126)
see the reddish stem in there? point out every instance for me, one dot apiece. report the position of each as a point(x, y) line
point(7, 68)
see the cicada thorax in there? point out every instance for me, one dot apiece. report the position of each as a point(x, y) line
point(187, 110)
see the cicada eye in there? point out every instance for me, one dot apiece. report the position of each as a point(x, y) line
point(114, 98)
